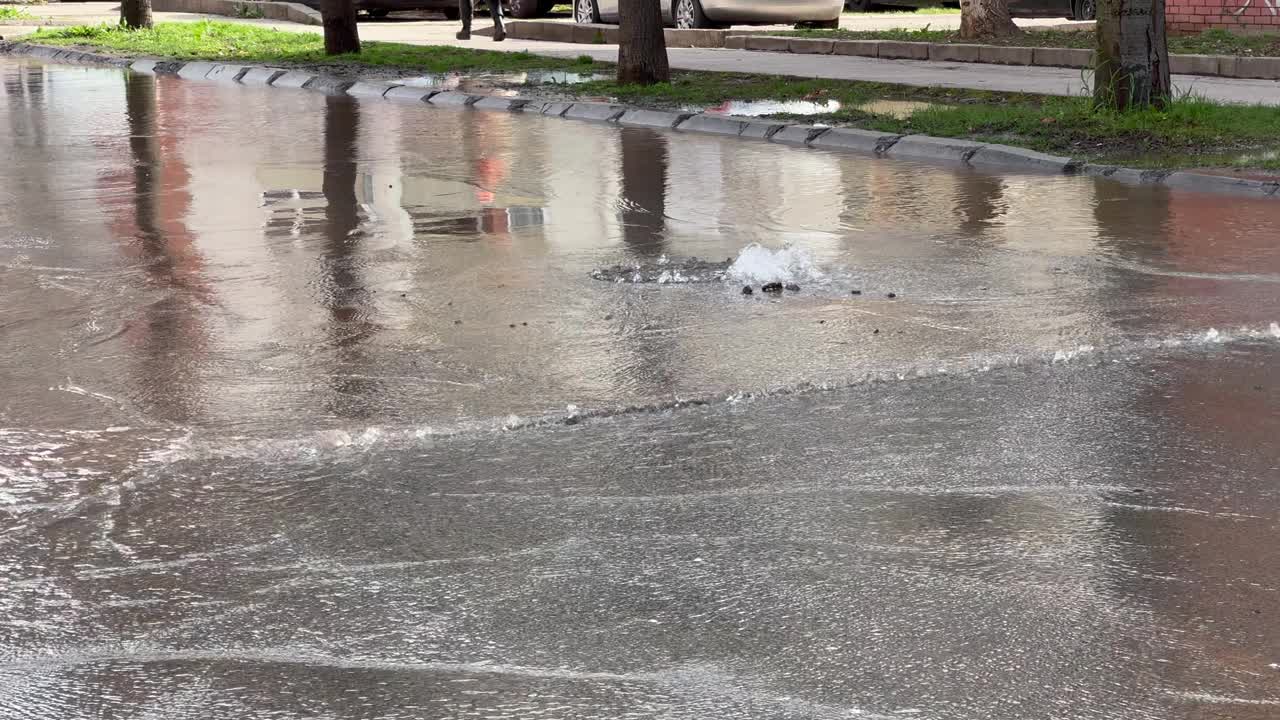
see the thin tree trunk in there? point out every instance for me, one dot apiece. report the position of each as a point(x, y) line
point(136, 14)
point(642, 48)
point(340, 34)
point(986, 19)
point(1133, 55)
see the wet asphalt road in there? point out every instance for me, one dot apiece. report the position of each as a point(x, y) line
point(258, 351)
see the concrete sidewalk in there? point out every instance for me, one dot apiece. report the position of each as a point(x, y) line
point(1043, 80)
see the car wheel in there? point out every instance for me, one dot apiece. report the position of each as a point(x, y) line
point(858, 5)
point(585, 11)
point(522, 9)
point(689, 15)
point(452, 14)
point(1086, 10)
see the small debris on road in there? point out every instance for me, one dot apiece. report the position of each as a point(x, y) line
point(775, 287)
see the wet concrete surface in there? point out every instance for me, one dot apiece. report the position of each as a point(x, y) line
point(313, 408)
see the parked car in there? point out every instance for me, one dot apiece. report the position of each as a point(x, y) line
point(719, 13)
point(522, 9)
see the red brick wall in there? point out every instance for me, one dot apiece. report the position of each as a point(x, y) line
point(1192, 16)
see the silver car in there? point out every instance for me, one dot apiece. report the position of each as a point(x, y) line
point(720, 13)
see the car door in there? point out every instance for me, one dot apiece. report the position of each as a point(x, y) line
point(608, 10)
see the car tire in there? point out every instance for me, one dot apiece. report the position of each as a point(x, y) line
point(858, 5)
point(452, 14)
point(522, 9)
point(585, 12)
point(689, 16)
point(1085, 10)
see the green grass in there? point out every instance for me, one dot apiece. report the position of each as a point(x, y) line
point(1209, 42)
point(1191, 133)
point(14, 13)
point(207, 40)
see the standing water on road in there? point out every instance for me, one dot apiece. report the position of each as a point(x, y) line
point(317, 408)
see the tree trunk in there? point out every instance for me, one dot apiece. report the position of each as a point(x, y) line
point(642, 48)
point(136, 14)
point(1133, 55)
point(986, 19)
point(340, 34)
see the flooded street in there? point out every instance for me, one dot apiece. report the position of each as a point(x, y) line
point(317, 408)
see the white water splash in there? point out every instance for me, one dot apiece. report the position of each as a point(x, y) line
point(759, 264)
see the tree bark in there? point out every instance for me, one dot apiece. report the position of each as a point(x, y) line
point(340, 34)
point(136, 14)
point(642, 48)
point(1133, 56)
point(986, 19)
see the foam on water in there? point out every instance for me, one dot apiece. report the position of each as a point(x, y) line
point(759, 264)
point(311, 445)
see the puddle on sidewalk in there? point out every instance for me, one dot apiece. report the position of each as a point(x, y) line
point(473, 82)
point(761, 108)
point(900, 109)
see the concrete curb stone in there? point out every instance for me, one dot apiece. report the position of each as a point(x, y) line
point(598, 112)
point(260, 76)
point(796, 134)
point(146, 66)
point(713, 125)
point(1008, 156)
point(760, 130)
point(328, 85)
point(227, 73)
point(860, 48)
point(863, 141)
point(453, 99)
point(954, 53)
point(810, 46)
point(998, 55)
point(1266, 68)
point(194, 70)
point(736, 42)
point(1193, 64)
point(903, 50)
point(768, 43)
point(1063, 57)
point(405, 93)
point(293, 79)
point(1200, 182)
point(652, 119)
point(925, 147)
point(364, 89)
point(492, 102)
point(557, 109)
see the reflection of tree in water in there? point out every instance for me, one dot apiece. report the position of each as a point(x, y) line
point(1133, 227)
point(979, 202)
point(24, 86)
point(168, 333)
point(643, 181)
point(343, 293)
point(644, 191)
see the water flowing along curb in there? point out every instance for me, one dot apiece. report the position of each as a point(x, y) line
point(922, 148)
